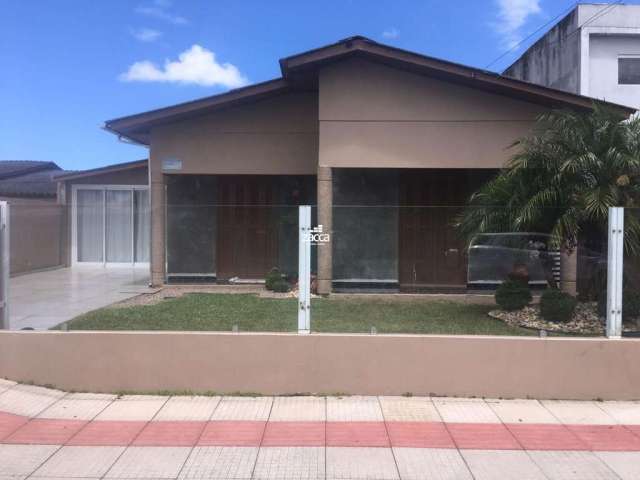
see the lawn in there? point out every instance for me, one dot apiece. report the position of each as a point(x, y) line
point(220, 312)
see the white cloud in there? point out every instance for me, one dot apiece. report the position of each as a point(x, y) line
point(159, 10)
point(197, 66)
point(146, 34)
point(512, 15)
point(391, 33)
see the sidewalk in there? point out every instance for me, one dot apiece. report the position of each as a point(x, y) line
point(51, 434)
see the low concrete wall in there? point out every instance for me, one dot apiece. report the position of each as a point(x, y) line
point(563, 368)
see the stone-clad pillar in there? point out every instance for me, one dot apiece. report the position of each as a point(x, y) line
point(325, 218)
point(569, 271)
point(158, 201)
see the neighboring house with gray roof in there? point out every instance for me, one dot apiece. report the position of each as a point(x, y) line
point(28, 179)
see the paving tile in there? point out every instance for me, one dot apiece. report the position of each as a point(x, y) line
point(546, 437)
point(243, 408)
point(578, 413)
point(149, 462)
point(465, 410)
point(430, 463)
point(502, 465)
point(298, 409)
point(353, 409)
point(109, 433)
point(409, 409)
point(36, 390)
point(290, 463)
point(217, 463)
point(360, 463)
point(626, 413)
point(521, 411)
point(294, 434)
point(482, 436)
point(625, 464)
point(44, 431)
point(4, 383)
point(91, 396)
point(572, 466)
point(170, 434)
point(9, 423)
point(75, 409)
point(188, 408)
point(19, 401)
point(606, 437)
point(419, 434)
point(17, 460)
point(133, 408)
point(357, 434)
point(80, 462)
point(232, 433)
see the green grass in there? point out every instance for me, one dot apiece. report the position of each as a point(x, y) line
point(220, 312)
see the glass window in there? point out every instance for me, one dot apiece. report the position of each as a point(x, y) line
point(629, 70)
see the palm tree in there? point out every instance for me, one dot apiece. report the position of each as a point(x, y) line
point(562, 180)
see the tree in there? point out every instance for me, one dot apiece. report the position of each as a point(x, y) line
point(562, 180)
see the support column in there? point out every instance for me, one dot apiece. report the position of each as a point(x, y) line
point(569, 271)
point(325, 218)
point(158, 232)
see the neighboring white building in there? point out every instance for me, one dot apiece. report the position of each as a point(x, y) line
point(593, 51)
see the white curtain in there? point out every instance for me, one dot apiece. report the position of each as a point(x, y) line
point(119, 234)
point(141, 226)
point(90, 225)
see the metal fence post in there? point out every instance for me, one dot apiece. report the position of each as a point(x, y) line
point(304, 269)
point(615, 265)
point(4, 265)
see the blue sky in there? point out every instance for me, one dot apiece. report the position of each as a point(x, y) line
point(69, 65)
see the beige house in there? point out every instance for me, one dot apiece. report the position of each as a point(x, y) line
point(386, 143)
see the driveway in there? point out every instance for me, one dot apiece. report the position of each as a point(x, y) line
point(44, 299)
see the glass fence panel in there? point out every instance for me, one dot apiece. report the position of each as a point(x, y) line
point(631, 275)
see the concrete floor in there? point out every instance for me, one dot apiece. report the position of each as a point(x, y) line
point(44, 299)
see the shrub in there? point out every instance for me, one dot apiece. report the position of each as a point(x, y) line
point(272, 277)
point(513, 295)
point(557, 306)
point(281, 286)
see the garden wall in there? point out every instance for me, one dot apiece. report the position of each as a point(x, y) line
point(561, 368)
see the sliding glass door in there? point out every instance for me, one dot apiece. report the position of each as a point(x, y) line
point(111, 225)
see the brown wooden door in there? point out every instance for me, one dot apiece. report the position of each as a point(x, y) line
point(247, 238)
point(431, 254)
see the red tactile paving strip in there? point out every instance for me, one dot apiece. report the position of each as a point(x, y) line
point(294, 434)
point(482, 436)
point(357, 434)
point(546, 437)
point(44, 431)
point(232, 433)
point(607, 437)
point(21, 430)
point(108, 433)
point(419, 435)
point(170, 434)
point(9, 423)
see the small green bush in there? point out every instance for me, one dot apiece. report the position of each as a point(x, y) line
point(513, 295)
point(557, 306)
point(281, 286)
point(630, 304)
point(271, 278)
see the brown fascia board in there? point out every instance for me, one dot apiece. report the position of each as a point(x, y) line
point(101, 170)
point(136, 127)
point(450, 71)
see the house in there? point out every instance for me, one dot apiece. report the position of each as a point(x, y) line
point(593, 51)
point(387, 144)
point(30, 189)
point(107, 212)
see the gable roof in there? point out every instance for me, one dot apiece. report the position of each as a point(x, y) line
point(300, 71)
point(117, 167)
point(28, 178)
